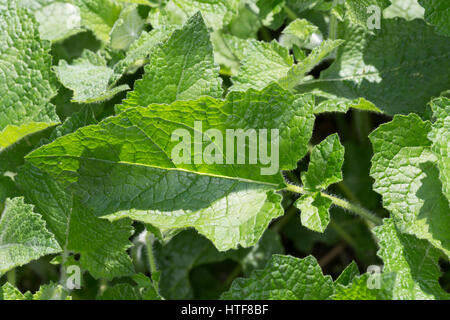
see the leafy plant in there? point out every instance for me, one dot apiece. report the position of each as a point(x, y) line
point(348, 99)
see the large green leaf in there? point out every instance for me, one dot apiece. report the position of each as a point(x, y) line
point(58, 21)
point(180, 69)
point(89, 77)
point(23, 236)
point(101, 162)
point(217, 13)
point(396, 79)
point(406, 175)
point(437, 12)
point(440, 135)
point(99, 16)
point(263, 63)
point(284, 278)
point(415, 262)
point(26, 81)
point(102, 244)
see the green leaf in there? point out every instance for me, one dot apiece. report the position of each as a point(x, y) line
point(147, 287)
point(347, 276)
point(406, 175)
point(284, 278)
point(217, 13)
point(89, 77)
point(263, 63)
point(49, 291)
point(437, 13)
point(127, 28)
point(19, 141)
point(359, 288)
point(325, 165)
point(314, 211)
point(58, 21)
point(406, 9)
point(302, 29)
point(240, 201)
point(121, 291)
point(99, 16)
point(297, 73)
point(181, 69)
point(396, 79)
point(359, 11)
point(73, 225)
point(415, 262)
point(26, 81)
point(9, 292)
point(23, 236)
point(139, 51)
point(440, 136)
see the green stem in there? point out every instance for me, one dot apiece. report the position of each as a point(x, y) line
point(341, 203)
point(290, 13)
point(149, 240)
point(332, 31)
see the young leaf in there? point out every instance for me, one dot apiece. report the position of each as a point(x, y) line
point(263, 63)
point(139, 50)
point(301, 29)
point(127, 28)
point(26, 81)
point(314, 211)
point(240, 201)
point(375, 68)
point(89, 77)
point(347, 276)
point(325, 166)
point(284, 278)
point(298, 71)
point(415, 262)
point(405, 173)
point(437, 12)
point(23, 236)
point(99, 16)
point(181, 69)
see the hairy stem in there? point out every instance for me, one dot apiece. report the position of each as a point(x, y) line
point(151, 256)
point(341, 203)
